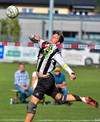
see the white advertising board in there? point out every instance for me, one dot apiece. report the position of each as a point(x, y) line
point(73, 57)
point(13, 53)
point(25, 54)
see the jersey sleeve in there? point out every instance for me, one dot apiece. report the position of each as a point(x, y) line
point(40, 42)
point(64, 65)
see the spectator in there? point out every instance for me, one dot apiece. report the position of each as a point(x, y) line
point(34, 83)
point(60, 82)
point(22, 82)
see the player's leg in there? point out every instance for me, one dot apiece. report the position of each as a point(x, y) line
point(31, 108)
point(37, 95)
point(72, 98)
point(87, 100)
point(92, 102)
point(43, 100)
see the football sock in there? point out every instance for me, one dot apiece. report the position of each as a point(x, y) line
point(76, 97)
point(84, 100)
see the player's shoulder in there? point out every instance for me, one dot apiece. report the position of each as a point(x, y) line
point(58, 51)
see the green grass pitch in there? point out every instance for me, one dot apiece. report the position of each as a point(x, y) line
point(86, 83)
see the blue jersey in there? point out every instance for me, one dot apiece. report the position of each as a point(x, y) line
point(60, 79)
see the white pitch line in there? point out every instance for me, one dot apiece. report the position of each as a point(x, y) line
point(11, 120)
point(68, 120)
point(48, 120)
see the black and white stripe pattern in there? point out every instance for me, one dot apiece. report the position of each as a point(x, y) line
point(45, 62)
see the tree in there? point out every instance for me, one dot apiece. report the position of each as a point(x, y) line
point(98, 7)
point(10, 29)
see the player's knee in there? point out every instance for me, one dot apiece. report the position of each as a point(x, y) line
point(31, 108)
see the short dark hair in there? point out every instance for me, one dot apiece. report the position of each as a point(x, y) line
point(21, 63)
point(61, 38)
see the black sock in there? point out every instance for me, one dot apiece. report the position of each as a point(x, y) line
point(76, 97)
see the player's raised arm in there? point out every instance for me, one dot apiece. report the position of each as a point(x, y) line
point(36, 38)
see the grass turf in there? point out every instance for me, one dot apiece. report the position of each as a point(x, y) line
point(87, 83)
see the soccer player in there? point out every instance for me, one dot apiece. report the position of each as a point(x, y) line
point(47, 58)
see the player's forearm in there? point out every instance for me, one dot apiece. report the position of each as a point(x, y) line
point(64, 65)
point(67, 68)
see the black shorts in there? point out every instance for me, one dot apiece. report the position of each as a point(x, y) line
point(45, 86)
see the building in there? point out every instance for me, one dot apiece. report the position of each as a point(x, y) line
point(61, 7)
point(75, 18)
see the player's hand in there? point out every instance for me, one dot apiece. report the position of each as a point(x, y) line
point(34, 38)
point(72, 77)
point(37, 38)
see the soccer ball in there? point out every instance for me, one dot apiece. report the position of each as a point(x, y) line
point(12, 11)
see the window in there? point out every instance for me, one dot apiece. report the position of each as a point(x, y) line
point(95, 50)
point(91, 36)
point(24, 10)
point(30, 10)
point(70, 34)
point(79, 12)
point(56, 12)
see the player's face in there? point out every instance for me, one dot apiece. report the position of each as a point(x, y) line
point(57, 73)
point(21, 67)
point(54, 39)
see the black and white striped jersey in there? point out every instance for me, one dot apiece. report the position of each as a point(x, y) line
point(48, 57)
